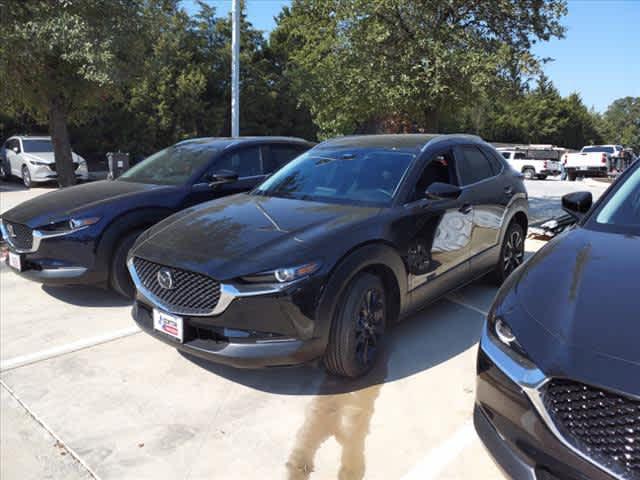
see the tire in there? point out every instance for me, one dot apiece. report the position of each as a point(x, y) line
point(4, 172)
point(572, 176)
point(26, 177)
point(529, 173)
point(511, 253)
point(119, 277)
point(542, 177)
point(357, 328)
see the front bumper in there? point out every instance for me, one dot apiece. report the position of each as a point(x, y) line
point(512, 428)
point(204, 337)
point(44, 173)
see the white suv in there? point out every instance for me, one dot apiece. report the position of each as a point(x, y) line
point(32, 159)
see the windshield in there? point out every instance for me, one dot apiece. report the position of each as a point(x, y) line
point(598, 149)
point(341, 175)
point(171, 166)
point(621, 211)
point(37, 146)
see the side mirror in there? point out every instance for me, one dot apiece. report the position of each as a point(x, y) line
point(442, 191)
point(577, 203)
point(221, 177)
point(16, 149)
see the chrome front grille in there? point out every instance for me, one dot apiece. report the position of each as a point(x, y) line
point(603, 425)
point(20, 236)
point(190, 293)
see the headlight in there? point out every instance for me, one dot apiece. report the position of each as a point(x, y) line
point(283, 275)
point(68, 226)
point(500, 330)
point(35, 162)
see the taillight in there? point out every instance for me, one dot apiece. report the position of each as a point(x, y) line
point(604, 158)
point(545, 165)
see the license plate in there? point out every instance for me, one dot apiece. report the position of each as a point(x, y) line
point(584, 168)
point(168, 324)
point(15, 261)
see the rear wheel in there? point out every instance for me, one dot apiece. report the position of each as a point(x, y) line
point(4, 170)
point(26, 176)
point(511, 254)
point(529, 173)
point(542, 177)
point(119, 278)
point(358, 328)
point(572, 176)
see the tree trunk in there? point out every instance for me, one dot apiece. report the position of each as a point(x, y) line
point(60, 139)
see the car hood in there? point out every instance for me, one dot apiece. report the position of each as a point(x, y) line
point(65, 202)
point(245, 234)
point(580, 295)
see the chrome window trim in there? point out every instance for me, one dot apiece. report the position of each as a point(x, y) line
point(228, 293)
point(532, 382)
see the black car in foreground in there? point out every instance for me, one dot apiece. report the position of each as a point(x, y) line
point(558, 387)
point(81, 235)
point(328, 252)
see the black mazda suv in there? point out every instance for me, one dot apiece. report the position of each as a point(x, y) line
point(558, 386)
point(331, 250)
point(81, 234)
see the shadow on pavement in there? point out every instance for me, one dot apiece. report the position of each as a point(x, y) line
point(422, 341)
point(86, 296)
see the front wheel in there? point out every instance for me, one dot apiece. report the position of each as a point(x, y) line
point(511, 253)
point(119, 277)
point(529, 173)
point(26, 176)
point(4, 170)
point(358, 328)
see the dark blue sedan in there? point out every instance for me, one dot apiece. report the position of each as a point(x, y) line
point(81, 235)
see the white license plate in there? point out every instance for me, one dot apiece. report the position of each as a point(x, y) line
point(168, 324)
point(15, 261)
point(584, 168)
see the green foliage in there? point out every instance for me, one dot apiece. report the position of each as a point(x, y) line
point(621, 122)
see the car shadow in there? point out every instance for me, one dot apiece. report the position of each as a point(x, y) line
point(86, 296)
point(420, 342)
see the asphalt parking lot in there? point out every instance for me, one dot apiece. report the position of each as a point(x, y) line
point(85, 394)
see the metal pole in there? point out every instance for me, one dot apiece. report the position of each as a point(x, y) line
point(235, 69)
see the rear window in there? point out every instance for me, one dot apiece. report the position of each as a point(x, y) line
point(598, 149)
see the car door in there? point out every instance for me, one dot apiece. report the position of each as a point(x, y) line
point(248, 162)
point(488, 192)
point(434, 234)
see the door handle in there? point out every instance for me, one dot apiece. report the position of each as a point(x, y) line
point(466, 208)
point(508, 190)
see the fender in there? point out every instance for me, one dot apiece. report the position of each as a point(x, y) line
point(122, 224)
point(518, 204)
point(357, 260)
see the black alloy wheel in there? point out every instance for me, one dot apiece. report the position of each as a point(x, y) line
point(358, 328)
point(511, 254)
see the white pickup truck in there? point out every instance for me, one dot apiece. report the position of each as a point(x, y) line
point(531, 163)
point(591, 161)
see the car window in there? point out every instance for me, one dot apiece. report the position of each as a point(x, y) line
point(474, 166)
point(439, 168)
point(520, 156)
point(37, 145)
point(494, 160)
point(506, 155)
point(621, 211)
point(283, 154)
point(11, 144)
point(367, 176)
point(598, 149)
point(246, 162)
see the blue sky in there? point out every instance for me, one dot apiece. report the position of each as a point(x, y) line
point(599, 57)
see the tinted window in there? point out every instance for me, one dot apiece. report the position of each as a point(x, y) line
point(283, 154)
point(519, 156)
point(37, 146)
point(171, 166)
point(598, 149)
point(11, 144)
point(246, 162)
point(340, 175)
point(506, 155)
point(438, 169)
point(494, 160)
point(621, 211)
point(474, 166)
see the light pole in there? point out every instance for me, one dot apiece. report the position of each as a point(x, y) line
point(235, 68)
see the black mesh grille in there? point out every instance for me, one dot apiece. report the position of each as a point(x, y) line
point(192, 293)
point(603, 425)
point(20, 236)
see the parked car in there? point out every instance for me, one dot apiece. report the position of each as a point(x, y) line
point(591, 161)
point(81, 235)
point(32, 160)
point(558, 387)
point(330, 251)
point(530, 164)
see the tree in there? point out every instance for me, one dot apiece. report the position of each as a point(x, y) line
point(621, 123)
point(59, 56)
point(360, 60)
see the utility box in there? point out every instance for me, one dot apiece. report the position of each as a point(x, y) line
point(118, 163)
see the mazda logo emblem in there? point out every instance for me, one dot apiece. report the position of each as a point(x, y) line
point(165, 280)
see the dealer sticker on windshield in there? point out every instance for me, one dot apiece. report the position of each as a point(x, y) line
point(168, 324)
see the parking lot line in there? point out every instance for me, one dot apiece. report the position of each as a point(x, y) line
point(33, 415)
point(467, 305)
point(64, 349)
point(433, 464)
